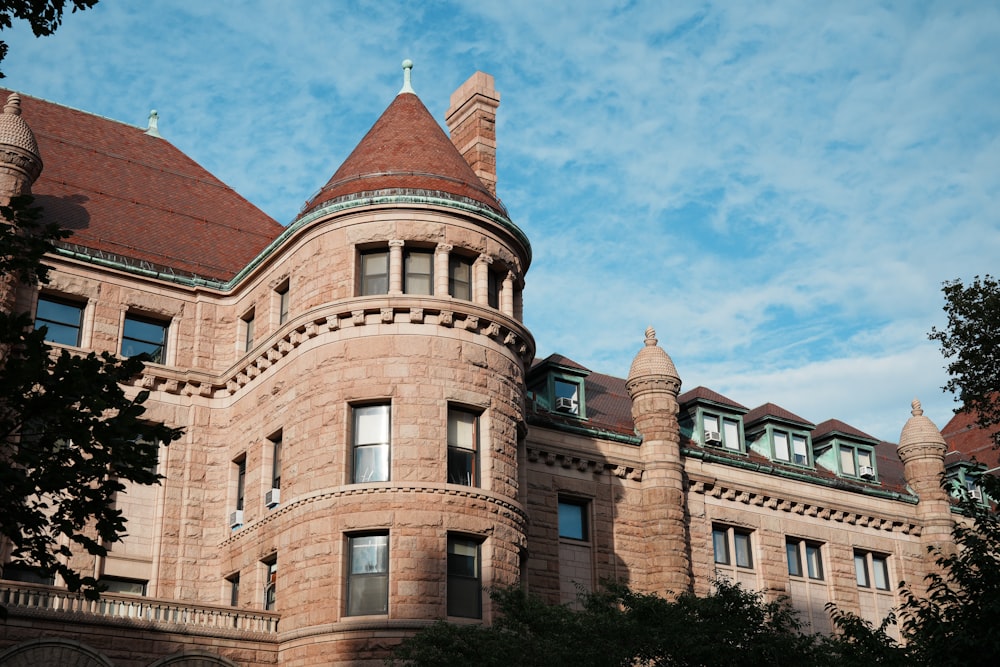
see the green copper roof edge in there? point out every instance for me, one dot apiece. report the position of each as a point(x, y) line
point(332, 207)
point(791, 474)
point(583, 430)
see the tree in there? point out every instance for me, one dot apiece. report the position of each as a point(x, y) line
point(972, 341)
point(617, 627)
point(69, 434)
point(44, 16)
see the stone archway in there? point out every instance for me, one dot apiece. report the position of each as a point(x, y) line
point(191, 659)
point(52, 652)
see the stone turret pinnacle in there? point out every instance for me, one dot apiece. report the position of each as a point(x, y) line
point(20, 161)
point(653, 385)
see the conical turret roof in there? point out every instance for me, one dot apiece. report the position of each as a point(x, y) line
point(405, 150)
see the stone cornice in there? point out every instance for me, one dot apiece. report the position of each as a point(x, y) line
point(327, 321)
point(551, 456)
point(499, 505)
point(733, 493)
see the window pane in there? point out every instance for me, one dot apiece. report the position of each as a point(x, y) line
point(371, 424)
point(374, 273)
point(814, 561)
point(369, 554)
point(493, 289)
point(721, 546)
point(572, 520)
point(865, 458)
point(143, 336)
point(743, 555)
point(566, 389)
point(248, 333)
point(460, 277)
point(861, 570)
point(61, 320)
point(880, 568)
point(711, 423)
point(847, 461)
point(461, 466)
point(731, 434)
point(276, 462)
point(781, 446)
point(462, 429)
point(799, 450)
point(368, 586)
point(371, 464)
point(127, 586)
point(418, 272)
point(794, 559)
point(283, 304)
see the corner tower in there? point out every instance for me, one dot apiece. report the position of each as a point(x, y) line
point(401, 404)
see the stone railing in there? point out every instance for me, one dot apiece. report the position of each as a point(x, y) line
point(29, 598)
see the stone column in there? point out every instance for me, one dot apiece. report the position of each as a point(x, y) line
point(395, 267)
point(922, 449)
point(441, 267)
point(480, 280)
point(507, 295)
point(653, 385)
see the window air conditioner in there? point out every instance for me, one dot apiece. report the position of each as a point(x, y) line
point(713, 438)
point(236, 519)
point(564, 404)
point(272, 498)
point(976, 494)
point(867, 472)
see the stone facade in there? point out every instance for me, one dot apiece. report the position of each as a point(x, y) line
point(368, 442)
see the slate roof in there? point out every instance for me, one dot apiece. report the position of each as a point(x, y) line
point(777, 412)
point(138, 198)
point(405, 150)
point(706, 394)
point(832, 426)
point(965, 437)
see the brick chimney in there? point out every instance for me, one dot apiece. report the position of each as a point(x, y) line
point(472, 123)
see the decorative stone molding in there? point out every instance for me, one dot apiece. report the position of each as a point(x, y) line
point(583, 464)
point(747, 497)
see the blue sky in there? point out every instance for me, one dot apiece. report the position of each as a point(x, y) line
point(778, 187)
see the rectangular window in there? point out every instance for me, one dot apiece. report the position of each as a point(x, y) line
point(573, 522)
point(731, 434)
point(276, 460)
point(374, 272)
point(728, 542)
point(567, 396)
point(418, 272)
point(460, 277)
point(241, 481)
point(781, 446)
point(800, 453)
point(371, 443)
point(248, 326)
point(282, 293)
point(465, 585)
point(847, 465)
point(368, 574)
point(234, 589)
point(27, 575)
point(493, 283)
point(123, 586)
point(865, 562)
point(463, 440)
point(270, 583)
point(143, 335)
point(809, 553)
point(61, 318)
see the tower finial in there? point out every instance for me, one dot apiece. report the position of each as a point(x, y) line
point(13, 105)
point(407, 88)
point(154, 118)
point(916, 410)
point(651, 336)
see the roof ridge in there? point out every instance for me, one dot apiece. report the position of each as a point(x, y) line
point(66, 106)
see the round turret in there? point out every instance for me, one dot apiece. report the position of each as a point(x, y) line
point(20, 161)
point(652, 367)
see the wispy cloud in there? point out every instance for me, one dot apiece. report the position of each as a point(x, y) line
point(780, 189)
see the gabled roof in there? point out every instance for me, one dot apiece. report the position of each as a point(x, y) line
point(558, 361)
point(704, 394)
point(136, 198)
point(770, 410)
point(833, 427)
point(405, 150)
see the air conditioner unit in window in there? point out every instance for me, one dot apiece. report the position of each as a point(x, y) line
point(713, 438)
point(867, 472)
point(564, 404)
point(272, 498)
point(976, 494)
point(236, 519)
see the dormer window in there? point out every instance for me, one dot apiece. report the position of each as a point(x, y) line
point(558, 386)
point(856, 461)
point(721, 431)
point(964, 477)
point(567, 396)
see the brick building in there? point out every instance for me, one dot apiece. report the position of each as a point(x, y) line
point(368, 438)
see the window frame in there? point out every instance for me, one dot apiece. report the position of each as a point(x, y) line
point(282, 292)
point(792, 437)
point(580, 505)
point(856, 452)
point(68, 302)
point(730, 537)
point(460, 585)
point(465, 263)
point(456, 450)
point(122, 583)
point(367, 285)
point(869, 568)
point(276, 440)
point(722, 420)
point(578, 395)
point(241, 481)
point(807, 558)
point(410, 275)
point(234, 589)
point(356, 467)
point(269, 599)
point(355, 606)
point(140, 319)
point(247, 327)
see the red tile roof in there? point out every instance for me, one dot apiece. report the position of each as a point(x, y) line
point(124, 193)
point(776, 411)
point(964, 436)
point(405, 149)
point(706, 394)
point(831, 426)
